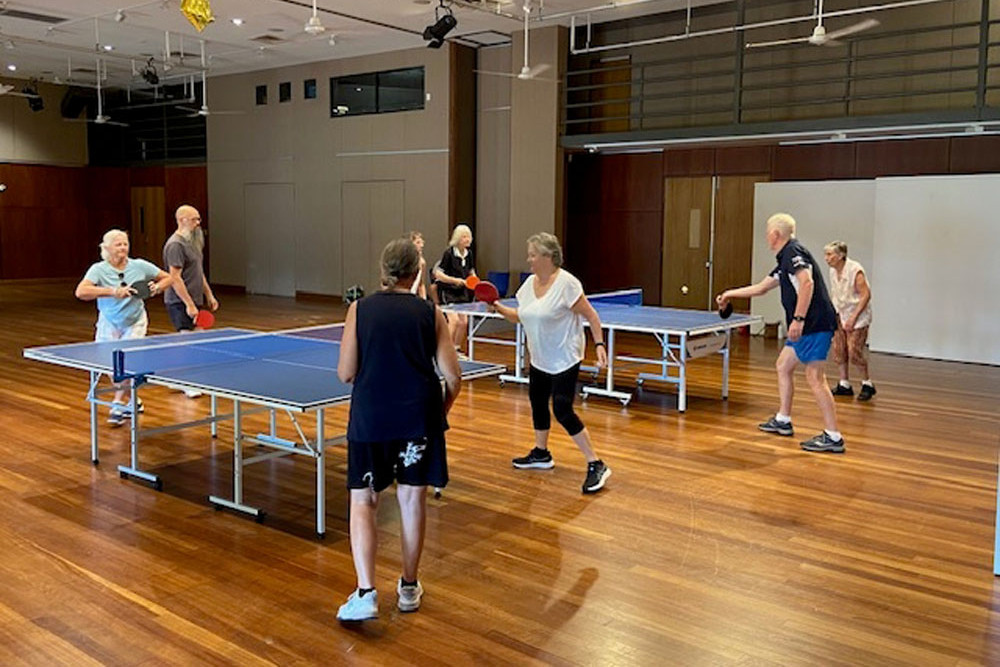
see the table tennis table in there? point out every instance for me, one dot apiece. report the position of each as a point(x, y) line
point(294, 371)
point(682, 335)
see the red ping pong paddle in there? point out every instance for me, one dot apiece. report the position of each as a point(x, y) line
point(204, 319)
point(472, 281)
point(486, 291)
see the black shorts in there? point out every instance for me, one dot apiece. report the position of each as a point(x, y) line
point(377, 465)
point(179, 317)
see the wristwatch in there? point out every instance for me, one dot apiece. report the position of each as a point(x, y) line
point(798, 318)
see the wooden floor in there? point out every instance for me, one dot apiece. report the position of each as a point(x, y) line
point(713, 544)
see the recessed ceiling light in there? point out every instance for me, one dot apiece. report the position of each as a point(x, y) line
point(12, 68)
point(108, 47)
point(237, 21)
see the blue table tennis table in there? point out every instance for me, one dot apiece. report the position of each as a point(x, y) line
point(682, 335)
point(293, 371)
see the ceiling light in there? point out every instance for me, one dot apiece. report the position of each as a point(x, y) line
point(119, 16)
point(443, 24)
point(333, 40)
point(12, 68)
point(108, 47)
point(237, 22)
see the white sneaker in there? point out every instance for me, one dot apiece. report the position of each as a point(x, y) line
point(192, 393)
point(359, 608)
point(409, 596)
point(119, 413)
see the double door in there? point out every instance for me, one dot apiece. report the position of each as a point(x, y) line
point(707, 238)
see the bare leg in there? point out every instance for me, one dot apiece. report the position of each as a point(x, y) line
point(413, 517)
point(364, 536)
point(785, 365)
point(816, 375)
point(845, 374)
point(582, 440)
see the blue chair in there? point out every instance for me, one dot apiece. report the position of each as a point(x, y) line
point(501, 279)
point(524, 276)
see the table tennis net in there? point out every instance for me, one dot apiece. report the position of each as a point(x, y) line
point(313, 347)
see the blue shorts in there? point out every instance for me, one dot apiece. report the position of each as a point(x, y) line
point(812, 347)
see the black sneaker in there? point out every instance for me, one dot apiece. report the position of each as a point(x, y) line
point(866, 393)
point(597, 475)
point(824, 443)
point(536, 458)
point(841, 390)
point(772, 425)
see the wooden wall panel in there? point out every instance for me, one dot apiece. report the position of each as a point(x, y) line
point(974, 155)
point(631, 182)
point(914, 157)
point(818, 162)
point(744, 160)
point(689, 162)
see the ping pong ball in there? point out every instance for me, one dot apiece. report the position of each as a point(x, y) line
point(684, 289)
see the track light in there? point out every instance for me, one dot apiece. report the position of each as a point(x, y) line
point(35, 101)
point(443, 24)
point(119, 16)
point(149, 74)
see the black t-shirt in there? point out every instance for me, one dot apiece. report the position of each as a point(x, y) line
point(397, 394)
point(456, 267)
point(821, 315)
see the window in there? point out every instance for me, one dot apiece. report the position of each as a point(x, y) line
point(285, 91)
point(261, 95)
point(377, 92)
point(309, 89)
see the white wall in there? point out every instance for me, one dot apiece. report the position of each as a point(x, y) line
point(928, 244)
point(297, 142)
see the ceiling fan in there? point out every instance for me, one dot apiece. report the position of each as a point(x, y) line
point(314, 26)
point(204, 110)
point(819, 36)
point(527, 73)
point(100, 118)
point(8, 89)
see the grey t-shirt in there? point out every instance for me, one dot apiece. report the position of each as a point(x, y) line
point(180, 252)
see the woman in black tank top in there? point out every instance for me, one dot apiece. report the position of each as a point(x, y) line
point(391, 342)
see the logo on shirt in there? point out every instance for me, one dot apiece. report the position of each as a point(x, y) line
point(413, 453)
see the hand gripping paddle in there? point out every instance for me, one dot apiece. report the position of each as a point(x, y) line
point(726, 310)
point(472, 281)
point(140, 289)
point(204, 319)
point(486, 291)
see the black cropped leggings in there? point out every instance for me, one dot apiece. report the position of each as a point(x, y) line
point(562, 388)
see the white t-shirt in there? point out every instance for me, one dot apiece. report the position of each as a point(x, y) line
point(554, 332)
point(845, 298)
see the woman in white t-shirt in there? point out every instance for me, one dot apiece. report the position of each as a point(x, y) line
point(851, 295)
point(551, 309)
point(120, 313)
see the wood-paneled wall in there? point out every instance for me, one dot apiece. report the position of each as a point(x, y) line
point(52, 218)
point(615, 202)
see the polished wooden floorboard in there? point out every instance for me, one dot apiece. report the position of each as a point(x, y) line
point(713, 544)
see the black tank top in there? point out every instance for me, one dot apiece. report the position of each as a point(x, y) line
point(397, 394)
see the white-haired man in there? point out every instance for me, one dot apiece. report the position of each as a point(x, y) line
point(811, 321)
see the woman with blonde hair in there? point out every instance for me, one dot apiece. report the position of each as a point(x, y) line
point(120, 313)
point(457, 263)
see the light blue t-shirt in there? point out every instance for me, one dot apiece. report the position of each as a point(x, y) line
point(121, 313)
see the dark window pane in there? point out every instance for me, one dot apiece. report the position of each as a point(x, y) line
point(261, 94)
point(401, 89)
point(309, 89)
point(285, 91)
point(352, 95)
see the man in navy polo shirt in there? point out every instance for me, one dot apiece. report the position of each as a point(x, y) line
point(811, 320)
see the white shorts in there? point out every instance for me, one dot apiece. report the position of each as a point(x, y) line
point(107, 331)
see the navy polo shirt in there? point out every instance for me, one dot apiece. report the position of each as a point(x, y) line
point(792, 258)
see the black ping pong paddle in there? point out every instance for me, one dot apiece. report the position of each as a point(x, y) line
point(726, 310)
point(140, 289)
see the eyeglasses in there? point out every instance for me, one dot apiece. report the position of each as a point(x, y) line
point(121, 277)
